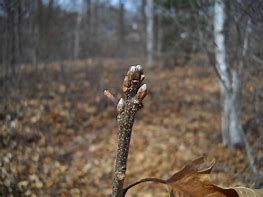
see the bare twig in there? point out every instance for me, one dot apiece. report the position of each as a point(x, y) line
point(110, 96)
point(155, 180)
point(134, 93)
point(250, 155)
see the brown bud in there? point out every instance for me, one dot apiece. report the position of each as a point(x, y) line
point(136, 75)
point(124, 89)
point(120, 106)
point(126, 81)
point(133, 73)
point(139, 68)
point(142, 77)
point(142, 92)
point(132, 68)
point(129, 75)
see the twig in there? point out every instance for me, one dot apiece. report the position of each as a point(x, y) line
point(155, 180)
point(134, 93)
point(250, 155)
point(110, 96)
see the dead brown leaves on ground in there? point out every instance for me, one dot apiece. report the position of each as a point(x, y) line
point(58, 137)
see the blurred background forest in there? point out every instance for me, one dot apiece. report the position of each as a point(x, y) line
point(203, 61)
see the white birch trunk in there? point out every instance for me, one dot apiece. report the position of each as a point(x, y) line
point(220, 51)
point(221, 66)
point(230, 92)
point(225, 104)
point(235, 125)
point(149, 32)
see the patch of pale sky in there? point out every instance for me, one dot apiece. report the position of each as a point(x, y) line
point(76, 4)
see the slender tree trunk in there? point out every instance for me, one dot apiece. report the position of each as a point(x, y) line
point(229, 87)
point(6, 48)
point(13, 12)
point(224, 96)
point(17, 31)
point(77, 33)
point(144, 26)
point(33, 33)
point(159, 36)
point(149, 32)
point(221, 65)
point(235, 125)
point(39, 30)
point(76, 47)
point(88, 30)
point(95, 25)
point(121, 22)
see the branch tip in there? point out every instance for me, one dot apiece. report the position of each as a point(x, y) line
point(110, 96)
point(133, 94)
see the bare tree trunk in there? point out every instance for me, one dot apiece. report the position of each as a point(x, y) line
point(149, 32)
point(159, 36)
point(229, 87)
point(94, 26)
point(76, 47)
point(121, 22)
point(17, 31)
point(77, 33)
point(224, 96)
point(144, 27)
point(34, 34)
point(235, 105)
point(88, 26)
point(13, 12)
point(221, 66)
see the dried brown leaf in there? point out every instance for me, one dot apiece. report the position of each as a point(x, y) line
point(193, 180)
point(247, 192)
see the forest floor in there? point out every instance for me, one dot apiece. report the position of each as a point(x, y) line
point(58, 131)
